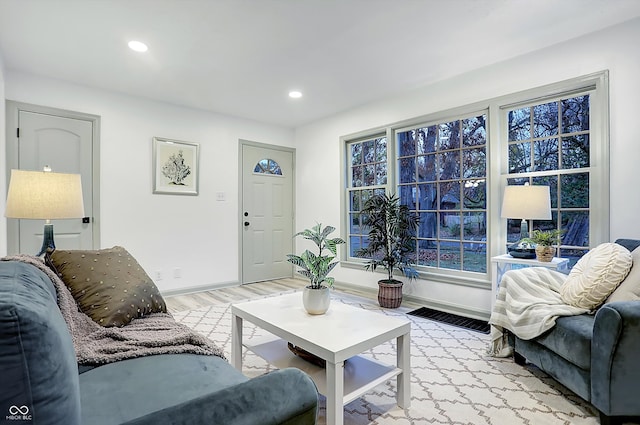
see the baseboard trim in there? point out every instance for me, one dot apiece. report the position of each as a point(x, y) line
point(458, 309)
point(436, 305)
point(196, 289)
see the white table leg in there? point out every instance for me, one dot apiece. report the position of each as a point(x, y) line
point(494, 284)
point(335, 393)
point(236, 342)
point(403, 348)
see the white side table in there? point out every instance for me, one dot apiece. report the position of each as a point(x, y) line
point(502, 263)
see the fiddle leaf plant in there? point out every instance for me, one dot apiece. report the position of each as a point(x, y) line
point(316, 267)
point(392, 228)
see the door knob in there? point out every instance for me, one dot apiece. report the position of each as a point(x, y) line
point(246, 223)
point(86, 220)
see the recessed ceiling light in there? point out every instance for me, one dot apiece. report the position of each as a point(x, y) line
point(295, 94)
point(138, 46)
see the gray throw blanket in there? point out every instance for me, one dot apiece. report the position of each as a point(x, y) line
point(157, 333)
point(528, 304)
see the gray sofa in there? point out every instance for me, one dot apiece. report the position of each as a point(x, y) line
point(40, 383)
point(595, 356)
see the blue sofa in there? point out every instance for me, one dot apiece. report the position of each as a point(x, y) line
point(595, 356)
point(40, 383)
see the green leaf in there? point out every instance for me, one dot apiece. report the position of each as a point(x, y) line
point(392, 227)
point(316, 267)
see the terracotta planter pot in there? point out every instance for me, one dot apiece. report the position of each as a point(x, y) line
point(389, 293)
point(316, 301)
point(545, 253)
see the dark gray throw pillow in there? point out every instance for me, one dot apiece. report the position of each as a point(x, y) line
point(108, 285)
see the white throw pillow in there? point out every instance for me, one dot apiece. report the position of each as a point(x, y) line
point(629, 289)
point(596, 275)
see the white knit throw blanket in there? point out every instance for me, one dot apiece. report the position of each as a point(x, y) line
point(157, 333)
point(528, 305)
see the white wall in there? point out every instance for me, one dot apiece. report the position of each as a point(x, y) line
point(3, 185)
point(197, 234)
point(615, 49)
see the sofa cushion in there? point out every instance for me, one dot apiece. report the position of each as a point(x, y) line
point(152, 383)
point(630, 244)
point(38, 370)
point(108, 284)
point(571, 338)
point(576, 379)
point(596, 275)
point(629, 289)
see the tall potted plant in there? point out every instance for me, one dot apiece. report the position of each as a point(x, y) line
point(392, 228)
point(316, 267)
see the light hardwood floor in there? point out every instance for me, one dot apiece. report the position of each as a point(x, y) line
point(195, 300)
point(231, 294)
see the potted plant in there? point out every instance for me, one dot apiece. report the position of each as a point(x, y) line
point(545, 241)
point(316, 267)
point(392, 228)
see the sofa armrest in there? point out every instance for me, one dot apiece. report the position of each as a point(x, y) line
point(615, 347)
point(286, 396)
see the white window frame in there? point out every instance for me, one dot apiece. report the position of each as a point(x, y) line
point(597, 86)
point(497, 166)
point(349, 188)
point(422, 124)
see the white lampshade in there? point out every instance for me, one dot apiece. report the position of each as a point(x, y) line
point(526, 202)
point(44, 195)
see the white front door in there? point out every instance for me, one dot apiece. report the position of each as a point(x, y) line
point(267, 212)
point(66, 145)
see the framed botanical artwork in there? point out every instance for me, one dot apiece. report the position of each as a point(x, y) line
point(175, 167)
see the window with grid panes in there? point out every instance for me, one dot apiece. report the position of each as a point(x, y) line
point(442, 171)
point(549, 145)
point(439, 167)
point(367, 176)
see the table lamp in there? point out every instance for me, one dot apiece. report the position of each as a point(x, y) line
point(43, 195)
point(527, 203)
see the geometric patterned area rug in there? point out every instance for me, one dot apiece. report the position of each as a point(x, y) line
point(453, 381)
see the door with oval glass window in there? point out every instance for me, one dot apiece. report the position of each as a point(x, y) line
point(266, 211)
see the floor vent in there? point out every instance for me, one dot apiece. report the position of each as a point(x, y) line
point(452, 319)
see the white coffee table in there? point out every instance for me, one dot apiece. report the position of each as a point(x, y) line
point(342, 333)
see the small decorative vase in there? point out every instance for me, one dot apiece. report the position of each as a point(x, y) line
point(389, 293)
point(316, 301)
point(545, 253)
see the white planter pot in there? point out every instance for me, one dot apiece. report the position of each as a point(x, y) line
point(316, 301)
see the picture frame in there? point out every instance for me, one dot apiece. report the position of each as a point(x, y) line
point(175, 167)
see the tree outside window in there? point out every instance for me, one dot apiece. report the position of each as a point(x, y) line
point(367, 177)
point(442, 170)
point(549, 145)
point(439, 169)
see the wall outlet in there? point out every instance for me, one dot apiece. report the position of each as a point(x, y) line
point(177, 273)
point(157, 275)
point(220, 196)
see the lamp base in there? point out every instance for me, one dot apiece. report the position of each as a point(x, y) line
point(48, 246)
point(522, 249)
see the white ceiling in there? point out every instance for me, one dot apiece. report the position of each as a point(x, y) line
point(241, 57)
